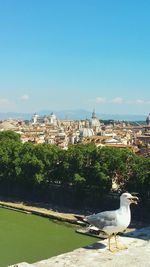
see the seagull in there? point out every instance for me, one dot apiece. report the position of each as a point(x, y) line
point(115, 221)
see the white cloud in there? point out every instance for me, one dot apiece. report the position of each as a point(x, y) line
point(100, 100)
point(138, 102)
point(24, 97)
point(117, 100)
point(103, 100)
point(120, 100)
point(4, 102)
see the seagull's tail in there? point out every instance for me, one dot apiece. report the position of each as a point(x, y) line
point(81, 218)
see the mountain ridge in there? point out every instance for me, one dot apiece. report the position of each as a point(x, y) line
point(78, 114)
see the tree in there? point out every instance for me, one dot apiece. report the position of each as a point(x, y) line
point(9, 135)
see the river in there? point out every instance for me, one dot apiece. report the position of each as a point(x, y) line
point(31, 238)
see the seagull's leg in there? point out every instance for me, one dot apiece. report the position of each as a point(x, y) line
point(109, 237)
point(116, 240)
point(111, 249)
point(119, 246)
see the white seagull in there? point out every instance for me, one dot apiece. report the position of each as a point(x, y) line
point(115, 221)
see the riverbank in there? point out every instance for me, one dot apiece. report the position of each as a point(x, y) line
point(35, 208)
point(55, 213)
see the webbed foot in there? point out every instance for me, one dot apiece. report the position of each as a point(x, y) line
point(113, 249)
point(121, 246)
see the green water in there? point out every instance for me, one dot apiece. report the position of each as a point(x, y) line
point(30, 238)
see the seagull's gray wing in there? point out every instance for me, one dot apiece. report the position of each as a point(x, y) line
point(102, 219)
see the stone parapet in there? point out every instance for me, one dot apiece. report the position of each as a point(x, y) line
point(136, 255)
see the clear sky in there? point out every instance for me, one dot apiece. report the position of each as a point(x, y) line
point(72, 54)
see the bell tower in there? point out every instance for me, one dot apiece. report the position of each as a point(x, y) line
point(148, 120)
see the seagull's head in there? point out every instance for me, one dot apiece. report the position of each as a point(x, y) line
point(127, 198)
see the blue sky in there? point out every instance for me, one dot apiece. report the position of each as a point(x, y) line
point(73, 54)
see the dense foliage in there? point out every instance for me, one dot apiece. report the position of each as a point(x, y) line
point(86, 169)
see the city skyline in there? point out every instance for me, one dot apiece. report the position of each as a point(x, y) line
point(59, 55)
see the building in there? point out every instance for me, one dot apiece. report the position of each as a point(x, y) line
point(50, 119)
point(148, 120)
point(95, 123)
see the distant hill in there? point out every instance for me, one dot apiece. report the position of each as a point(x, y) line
point(15, 115)
point(74, 115)
point(83, 114)
point(69, 114)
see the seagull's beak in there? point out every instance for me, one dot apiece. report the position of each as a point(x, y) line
point(134, 200)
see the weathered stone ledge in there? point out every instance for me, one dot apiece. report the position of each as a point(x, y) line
point(96, 255)
point(44, 212)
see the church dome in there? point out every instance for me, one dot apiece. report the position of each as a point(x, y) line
point(94, 122)
point(86, 132)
